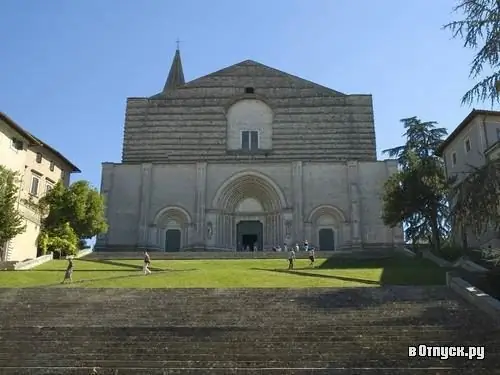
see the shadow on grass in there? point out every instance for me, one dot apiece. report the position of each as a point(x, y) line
point(395, 270)
point(299, 273)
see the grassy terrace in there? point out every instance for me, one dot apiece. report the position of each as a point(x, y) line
point(245, 273)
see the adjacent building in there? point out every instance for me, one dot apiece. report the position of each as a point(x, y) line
point(242, 157)
point(476, 139)
point(39, 167)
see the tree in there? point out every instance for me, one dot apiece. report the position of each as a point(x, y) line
point(416, 194)
point(11, 222)
point(80, 205)
point(480, 30)
point(476, 203)
point(62, 240)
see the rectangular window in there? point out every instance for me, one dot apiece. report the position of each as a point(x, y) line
point(51, 166)
point(35, 183)
point(498, 134)
point(17, 144)
point(454, 159)
point(250, 140)
point(467, 145)
point(48, 187)
point(38, 157)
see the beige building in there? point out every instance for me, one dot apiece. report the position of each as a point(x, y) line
point(475, 139)
point(248, 155)
point(40, 167)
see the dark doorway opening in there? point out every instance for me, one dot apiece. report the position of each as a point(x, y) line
point(326, 239)
point(173, 240)
point(249, 234)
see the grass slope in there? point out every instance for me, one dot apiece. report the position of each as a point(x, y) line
point(241, 273)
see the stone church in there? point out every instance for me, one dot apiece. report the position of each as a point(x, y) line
point(248, 155)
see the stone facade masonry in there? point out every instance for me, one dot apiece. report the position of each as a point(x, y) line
point(184, 169)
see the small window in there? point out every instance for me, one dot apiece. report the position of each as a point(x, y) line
point(250, 140)
point(38, 158)
point(35, 184)
point(454, 158)
point(249, 90)
point(17, 144)
point(467, 145)
point(498, 134)
point(51, 167)
point(48, 187)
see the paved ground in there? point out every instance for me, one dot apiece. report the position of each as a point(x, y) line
point(314, 331)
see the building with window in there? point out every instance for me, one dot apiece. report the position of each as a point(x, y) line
point(475, 139)
point(39, 167)
point(246, 156)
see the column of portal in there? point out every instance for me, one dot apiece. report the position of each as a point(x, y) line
point(218, 231)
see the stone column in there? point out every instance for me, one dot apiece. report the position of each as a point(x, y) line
point(200, 201)
point(355, 203)
point(297, 192)
point(145, 196)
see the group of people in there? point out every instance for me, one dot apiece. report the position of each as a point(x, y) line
point(292, 252)
point(68, 275)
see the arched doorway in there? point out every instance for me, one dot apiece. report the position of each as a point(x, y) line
point(327, 226)
point(249, 204)
point(172, 227)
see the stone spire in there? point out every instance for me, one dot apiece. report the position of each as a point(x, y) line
point(176, 75)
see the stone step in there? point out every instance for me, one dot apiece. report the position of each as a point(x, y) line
point(238, 371)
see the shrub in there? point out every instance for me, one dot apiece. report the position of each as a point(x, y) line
point(449, 252)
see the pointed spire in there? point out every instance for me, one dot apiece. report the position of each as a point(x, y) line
point(176, 75)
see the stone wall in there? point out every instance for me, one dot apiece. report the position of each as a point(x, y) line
point(190, 124)
point(346, 195)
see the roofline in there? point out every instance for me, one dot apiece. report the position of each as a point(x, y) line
point(36, 141)
point(465, 122)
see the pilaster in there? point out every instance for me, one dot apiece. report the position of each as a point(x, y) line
point(144, 203)
point(200, 202)
point(298, 201)
point(355, 203)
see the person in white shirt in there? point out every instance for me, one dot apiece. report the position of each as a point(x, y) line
point(306, 246)
point(311, 256)
point(297, 248)
point(291, 259)
point(285, 248)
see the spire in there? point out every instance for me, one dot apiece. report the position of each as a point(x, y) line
point(176, 75)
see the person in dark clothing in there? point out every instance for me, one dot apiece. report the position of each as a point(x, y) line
point(68, 275)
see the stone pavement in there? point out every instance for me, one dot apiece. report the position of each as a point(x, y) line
point(249, 331)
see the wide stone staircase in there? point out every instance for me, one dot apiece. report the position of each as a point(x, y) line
point(231, 331)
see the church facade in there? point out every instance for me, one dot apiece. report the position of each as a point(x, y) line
point(246, 156)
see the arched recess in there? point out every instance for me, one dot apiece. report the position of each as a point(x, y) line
point(250, 119)
point(235, 201)
point(172, 228)
point(327, 227)
point(249, 184)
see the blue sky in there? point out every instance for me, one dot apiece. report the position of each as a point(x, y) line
point(67, 67)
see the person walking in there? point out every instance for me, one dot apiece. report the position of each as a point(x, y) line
point(311, 256)
point(68, 274)
point(147, 263)
point(291, 259)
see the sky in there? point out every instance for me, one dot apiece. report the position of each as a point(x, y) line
point(67, 67)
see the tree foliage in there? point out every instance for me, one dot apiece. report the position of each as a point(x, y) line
point(11, 222)
point(80, 205)
point(416, 195)
point(480, 31)
point(476, 202)
point(61, 239)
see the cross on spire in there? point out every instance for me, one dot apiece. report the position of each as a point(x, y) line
point(178, 42)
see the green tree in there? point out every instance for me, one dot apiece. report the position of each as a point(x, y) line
point(61, 240)
point(11, 222)
point(80, 205)
point(480, 31)
point(416, 195)
point(475, 199)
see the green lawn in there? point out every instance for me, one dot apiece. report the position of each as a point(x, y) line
point(247, 273)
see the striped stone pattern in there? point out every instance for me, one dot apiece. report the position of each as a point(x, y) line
point(189, 124)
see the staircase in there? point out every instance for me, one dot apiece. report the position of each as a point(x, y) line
point(250, 331)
